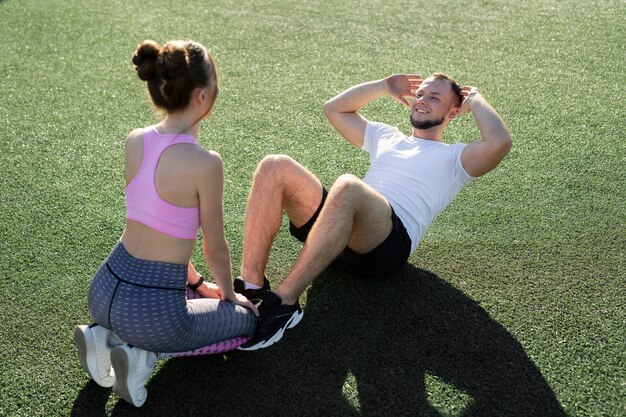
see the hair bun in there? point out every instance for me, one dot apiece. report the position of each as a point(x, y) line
point(146, 59)
point(175, 61)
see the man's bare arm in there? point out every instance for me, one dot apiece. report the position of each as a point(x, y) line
point(485, 154)
point(342, 110)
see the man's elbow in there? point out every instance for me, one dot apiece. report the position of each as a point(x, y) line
point(500, 148)
point(328, 108)
point(501, 144)
point(506, 144)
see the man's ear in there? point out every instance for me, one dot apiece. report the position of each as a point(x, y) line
point(454, 112)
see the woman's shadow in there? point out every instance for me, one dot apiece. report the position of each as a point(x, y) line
point(410, 344)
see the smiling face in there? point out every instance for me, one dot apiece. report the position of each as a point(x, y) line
point(434, 102)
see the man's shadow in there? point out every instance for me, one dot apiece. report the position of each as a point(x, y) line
point(410, 344)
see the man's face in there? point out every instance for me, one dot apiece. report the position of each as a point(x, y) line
point(432, 103)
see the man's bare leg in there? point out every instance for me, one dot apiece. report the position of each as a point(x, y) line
point(279, 183)
point(354, 215)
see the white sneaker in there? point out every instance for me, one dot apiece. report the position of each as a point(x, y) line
point(94, 353)
point(133, 367)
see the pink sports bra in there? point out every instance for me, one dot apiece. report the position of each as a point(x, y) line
point(143, 203)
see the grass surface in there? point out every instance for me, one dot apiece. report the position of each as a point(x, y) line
point(514, 302)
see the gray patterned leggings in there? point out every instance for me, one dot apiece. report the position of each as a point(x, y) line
point(147, 305)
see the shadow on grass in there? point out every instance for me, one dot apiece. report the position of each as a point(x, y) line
point(91, 400)
point(408, 345)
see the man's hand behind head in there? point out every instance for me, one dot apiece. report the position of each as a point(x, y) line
point(470, 94)
point(400, 86)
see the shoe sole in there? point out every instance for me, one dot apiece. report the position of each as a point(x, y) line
point(125, 376)
point(84, 338)
point(291, 323)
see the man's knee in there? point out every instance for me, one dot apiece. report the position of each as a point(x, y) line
point(273, 166)
point(347, 185)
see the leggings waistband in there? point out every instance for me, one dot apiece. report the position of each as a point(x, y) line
point(152, 274)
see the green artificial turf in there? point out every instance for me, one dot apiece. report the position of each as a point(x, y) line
point(514, 304)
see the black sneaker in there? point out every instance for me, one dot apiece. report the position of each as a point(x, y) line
point(274, 319)
point(253, 295)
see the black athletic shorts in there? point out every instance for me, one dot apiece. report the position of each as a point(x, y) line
point(384, 259)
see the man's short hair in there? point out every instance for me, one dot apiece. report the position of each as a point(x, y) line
point(456, 88)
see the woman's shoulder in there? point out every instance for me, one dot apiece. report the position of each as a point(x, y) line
point(204, 159)
point(134, 140)
point(136, 134)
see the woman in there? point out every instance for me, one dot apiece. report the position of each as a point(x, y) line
point(146, 296)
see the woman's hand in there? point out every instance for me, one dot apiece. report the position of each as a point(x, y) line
point(241, 300)
point(208, 290)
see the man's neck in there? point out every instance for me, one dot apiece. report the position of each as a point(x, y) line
point(429, 134)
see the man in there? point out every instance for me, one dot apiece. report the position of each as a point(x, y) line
point(365, 227)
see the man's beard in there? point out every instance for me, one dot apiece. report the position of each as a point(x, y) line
point(426, 124)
